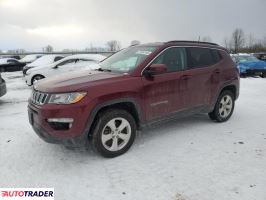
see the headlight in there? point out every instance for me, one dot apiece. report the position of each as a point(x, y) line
point(28, 72)
point(67, 98)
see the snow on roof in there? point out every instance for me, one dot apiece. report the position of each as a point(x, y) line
point(96, 57)
point(44, 60)
point(3, 60)
point(29, 58)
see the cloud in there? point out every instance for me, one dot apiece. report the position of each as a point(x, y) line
point(56, 31)
point(32, 24)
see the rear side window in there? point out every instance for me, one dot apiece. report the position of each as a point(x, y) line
point(173, 58)
point(216, 56)
point(199, 57)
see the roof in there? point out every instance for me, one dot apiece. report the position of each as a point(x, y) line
point(191, 42)
point(183, 42)
point(97, 57)
point(4, 60)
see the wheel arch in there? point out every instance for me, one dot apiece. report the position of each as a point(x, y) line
point(35, 76)
point(128, 104)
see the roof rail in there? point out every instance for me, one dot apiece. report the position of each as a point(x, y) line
point(197, 42)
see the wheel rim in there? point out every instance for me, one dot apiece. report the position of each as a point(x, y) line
point(225, 106)
point(116, 134)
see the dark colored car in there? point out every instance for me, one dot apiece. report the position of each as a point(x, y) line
point(10, 65)
point(2, 86)
point(11, 56)
point(134, 88)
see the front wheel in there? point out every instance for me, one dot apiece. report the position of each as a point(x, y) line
point(114, 133)
point(224, 107)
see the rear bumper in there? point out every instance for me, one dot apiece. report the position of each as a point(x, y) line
point(2, 88)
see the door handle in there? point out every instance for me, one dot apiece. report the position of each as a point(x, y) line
point(217, 71)
point(186, 77)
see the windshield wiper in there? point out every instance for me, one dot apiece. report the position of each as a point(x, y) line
point(104, 70)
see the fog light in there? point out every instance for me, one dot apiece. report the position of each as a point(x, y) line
point(60, 123)
point(62, 120)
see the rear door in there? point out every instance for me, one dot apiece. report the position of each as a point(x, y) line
point(161, 93)
point(198, 77)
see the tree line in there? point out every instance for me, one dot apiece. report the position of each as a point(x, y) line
point(239, 42)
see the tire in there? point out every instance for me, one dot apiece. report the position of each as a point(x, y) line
point(224, 107)
point(110, 139)
point(243, 76)
point(263, 75)
point(36, 78)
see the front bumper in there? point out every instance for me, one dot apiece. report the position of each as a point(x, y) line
point(255, 72)
point(75, 137)
point(2, 88)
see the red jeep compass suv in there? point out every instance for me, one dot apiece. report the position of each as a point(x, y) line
point(136, 87)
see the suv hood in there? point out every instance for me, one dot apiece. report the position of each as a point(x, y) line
point(254, 64)
point(70, 82)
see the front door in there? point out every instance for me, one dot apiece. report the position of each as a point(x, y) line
point(161, 92)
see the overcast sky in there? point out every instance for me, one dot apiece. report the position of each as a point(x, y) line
point(75, 24)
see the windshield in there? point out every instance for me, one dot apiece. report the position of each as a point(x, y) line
point(247, 58)
point(126, 60)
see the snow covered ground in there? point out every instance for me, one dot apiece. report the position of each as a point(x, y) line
point(189, 159)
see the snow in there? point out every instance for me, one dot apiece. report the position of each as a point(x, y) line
point(189, 159)
point(44, 60)
point(96, 57)
point(29, 58)
point(3, 60)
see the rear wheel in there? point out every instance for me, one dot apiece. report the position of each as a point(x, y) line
point(114, 133)
point(36, 78)
point(224, 107)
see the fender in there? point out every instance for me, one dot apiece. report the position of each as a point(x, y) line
point(226, 84)
point(98, 107)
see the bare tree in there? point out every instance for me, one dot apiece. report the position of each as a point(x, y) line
point(48, 49)
point(206, 39)
point(238, 40)
point(113, 45)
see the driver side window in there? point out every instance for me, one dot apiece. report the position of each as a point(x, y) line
point(173, 58)
point(66, 62)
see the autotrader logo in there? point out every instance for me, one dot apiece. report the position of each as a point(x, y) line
point(26, 193)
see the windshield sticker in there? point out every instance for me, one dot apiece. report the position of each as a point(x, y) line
point(146, 53)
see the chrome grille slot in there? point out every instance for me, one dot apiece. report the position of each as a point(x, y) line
point(39, 98)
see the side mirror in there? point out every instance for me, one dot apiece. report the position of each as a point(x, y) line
point(155, 69)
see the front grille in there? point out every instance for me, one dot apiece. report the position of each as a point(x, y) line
point(39, 98)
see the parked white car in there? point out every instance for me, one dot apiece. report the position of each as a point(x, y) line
point(68, 64)
point(44, 60)
point(30, 58)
